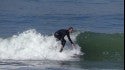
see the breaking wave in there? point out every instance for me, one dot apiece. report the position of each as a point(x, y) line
point(31, 45)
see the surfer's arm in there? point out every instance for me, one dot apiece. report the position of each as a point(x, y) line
point(69, 38)
point(73, 45)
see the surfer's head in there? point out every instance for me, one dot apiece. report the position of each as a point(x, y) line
point(70, 29)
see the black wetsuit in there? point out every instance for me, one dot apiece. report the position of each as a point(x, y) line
point(60, 34)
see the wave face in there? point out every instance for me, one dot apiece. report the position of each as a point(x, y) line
point(101, 46)
point(31, 45)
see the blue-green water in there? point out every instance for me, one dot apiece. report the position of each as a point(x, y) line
point(100, 23)
point(102, 46)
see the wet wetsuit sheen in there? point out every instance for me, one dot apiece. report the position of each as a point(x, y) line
point(60, 34)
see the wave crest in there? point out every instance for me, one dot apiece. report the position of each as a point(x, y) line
point(33, 45)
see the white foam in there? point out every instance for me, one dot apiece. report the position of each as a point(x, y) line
point(32, 45)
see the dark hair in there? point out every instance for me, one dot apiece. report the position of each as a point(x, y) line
point(70, 28)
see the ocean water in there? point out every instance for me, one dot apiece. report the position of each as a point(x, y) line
point(27, 27)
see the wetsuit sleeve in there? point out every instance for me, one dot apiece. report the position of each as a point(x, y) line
point(69, 38)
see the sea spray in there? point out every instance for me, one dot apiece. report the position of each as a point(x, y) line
point(31, 45)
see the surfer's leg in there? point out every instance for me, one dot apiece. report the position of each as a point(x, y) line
point(61, 49)
point(63, 41)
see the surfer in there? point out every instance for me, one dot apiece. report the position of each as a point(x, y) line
point(60, 34)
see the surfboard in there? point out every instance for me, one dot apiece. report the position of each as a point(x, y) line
point(75, 55)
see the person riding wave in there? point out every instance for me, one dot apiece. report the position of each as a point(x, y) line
point(60, 34)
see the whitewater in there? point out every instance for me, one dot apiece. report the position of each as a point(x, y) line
point(32, 45)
